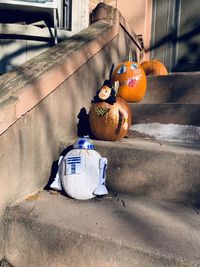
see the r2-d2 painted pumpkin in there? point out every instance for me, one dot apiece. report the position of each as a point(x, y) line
point(82, 172)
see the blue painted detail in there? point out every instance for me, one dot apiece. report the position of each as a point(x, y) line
point(74, 162)
point(73, 158)
point(78, 157)
point(83, 143)
point(122, 69)
point(134, 66)
point(90, 146)
point(73, 169)
point(72, 165)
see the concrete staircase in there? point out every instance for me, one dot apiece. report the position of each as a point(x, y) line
point(171, 106)
point(173, 98)
point(119, 230)
point(151, 216)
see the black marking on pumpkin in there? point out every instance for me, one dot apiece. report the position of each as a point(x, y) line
point(101, 111)
point(119, 123)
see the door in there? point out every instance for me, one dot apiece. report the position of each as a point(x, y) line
point(176, 34)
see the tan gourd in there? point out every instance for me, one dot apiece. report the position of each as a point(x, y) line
point(154, 67)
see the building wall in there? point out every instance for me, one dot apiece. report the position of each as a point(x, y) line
point(93, 3)
point(138, 14)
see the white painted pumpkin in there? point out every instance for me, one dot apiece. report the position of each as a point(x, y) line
point(82, 172)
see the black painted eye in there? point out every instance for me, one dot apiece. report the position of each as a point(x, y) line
point(134, 66)
point(122, 69)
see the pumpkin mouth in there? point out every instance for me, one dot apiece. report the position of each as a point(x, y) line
point(131, 82)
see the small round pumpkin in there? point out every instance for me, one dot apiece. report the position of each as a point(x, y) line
point(154, 67)
point(110, 122)
point(132, 81)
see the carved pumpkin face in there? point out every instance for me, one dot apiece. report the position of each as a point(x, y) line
point(110, 122)
point(132, 81)
point(154, 67)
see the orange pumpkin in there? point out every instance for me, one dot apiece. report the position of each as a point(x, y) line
point(110, 122)
point(154, 67)
point(132, 81)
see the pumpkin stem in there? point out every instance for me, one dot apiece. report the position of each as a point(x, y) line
point(111, 71)
point(130, 55)
point(116, 86)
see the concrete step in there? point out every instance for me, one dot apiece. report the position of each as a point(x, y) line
point(154, 169)
point(173, 88)
point(184, 114)
point(120, 231)
point(168, 132)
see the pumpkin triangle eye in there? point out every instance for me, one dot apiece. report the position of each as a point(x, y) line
point(121, 70)
point(134, 66)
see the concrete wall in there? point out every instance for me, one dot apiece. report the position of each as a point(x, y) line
point(40, 103)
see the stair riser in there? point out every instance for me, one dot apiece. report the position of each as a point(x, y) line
point(166, 113)
point(158, 174)
point(174, 88)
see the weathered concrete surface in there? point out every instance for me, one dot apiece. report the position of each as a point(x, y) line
point(168, 132)
point(29, 146)
point(40, 72)
point(157, 170)
point(41, 101)
point(173, 88)
point(23, 89)
point(26, 42)
point(119, 231)
point(184, 114)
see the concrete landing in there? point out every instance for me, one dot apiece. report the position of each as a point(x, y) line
point(117, 231)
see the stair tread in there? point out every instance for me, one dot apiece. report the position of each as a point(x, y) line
point(158, 228)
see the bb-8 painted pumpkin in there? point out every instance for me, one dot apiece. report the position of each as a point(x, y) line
point(81, 172)
point(109, 116)
point(132, 81)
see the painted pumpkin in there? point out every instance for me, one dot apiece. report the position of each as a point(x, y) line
point(110, 121)
point(154, 67)
point(132, 81)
